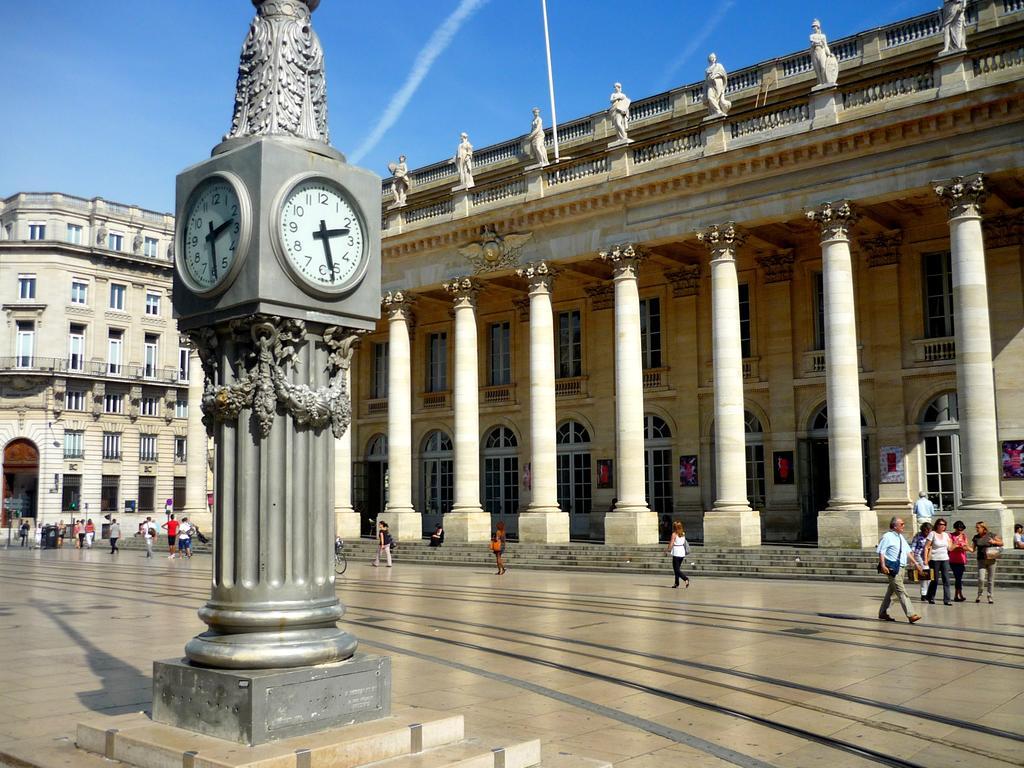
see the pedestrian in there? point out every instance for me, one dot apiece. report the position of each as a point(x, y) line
point(893, 553)
point(185, 538)
point(78, 531)
point(383, 544)
point(936, 552)
point(922, 573)
point(498, 547)
point(39, 536)
point(171, 526)
point(924, 510)
point(958, 559)
point(989, 547)
point(23, 533)
point(679, 548)
point(90, 533)
point(115, 534)
point(148, 534)
point(1018, 536)
point(437, 537)
point(60, 534)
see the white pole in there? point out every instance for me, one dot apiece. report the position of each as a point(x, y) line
point(551, 80)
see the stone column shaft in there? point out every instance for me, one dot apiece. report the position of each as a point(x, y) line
point(347, 524)
point(196, 450)
point(400, 514)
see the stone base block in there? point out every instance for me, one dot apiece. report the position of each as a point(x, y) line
point(544, 527)
point(716, 137)
point(732, 528)
point(848, 528)
point(404, 524)
point(257, 706)
point(887, 510)
point(631, 527)
point(995, 515)
point(467, 525)
point(951, 73)
point(824, 106)
point(347, 524)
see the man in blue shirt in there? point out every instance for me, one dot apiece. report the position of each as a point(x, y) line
point(893, 551)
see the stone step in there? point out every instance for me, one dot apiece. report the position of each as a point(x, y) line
point(470, 754)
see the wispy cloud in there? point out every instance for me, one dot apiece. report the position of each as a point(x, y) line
point(435, 46)
point(668, 78)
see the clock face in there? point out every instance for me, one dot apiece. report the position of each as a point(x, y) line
point(212, 235)
point(322, 236)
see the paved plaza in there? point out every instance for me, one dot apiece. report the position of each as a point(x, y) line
point(617, 667)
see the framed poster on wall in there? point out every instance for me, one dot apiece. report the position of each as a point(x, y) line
point(687, 471)
point(891, 469)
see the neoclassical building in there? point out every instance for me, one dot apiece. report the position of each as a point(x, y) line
point(95, 399)
point(780, 318)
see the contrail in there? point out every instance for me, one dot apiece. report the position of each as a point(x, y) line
point(424, 61)
point(698, 40)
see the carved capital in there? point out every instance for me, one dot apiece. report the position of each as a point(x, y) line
point(464, 291)
point(963, 195)
point(883, 249)
point(538, 275)
point(685, 280)
point(777, 266)
point(835, 219)
point(601, 296)
point(625, 259)
point(397, 305)
point(1004, 229)
point(722, 240)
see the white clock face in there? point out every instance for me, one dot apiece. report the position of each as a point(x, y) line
point(322, 236)
point(211, 234)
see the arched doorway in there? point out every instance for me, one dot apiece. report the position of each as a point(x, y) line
point(21, 480)
point(573, 476)
point(370, 483)
point(438, 478)
point(815, 477)
point(940, 432)
point(501, 478)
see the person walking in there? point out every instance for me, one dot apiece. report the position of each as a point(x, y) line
point(924, 510)
point(936, 553)
point(679, 548)
point(79, 534)
point(148, 534)
point(23, 533)
point(958, 559)
point(115, 534)
point(498, 547)
point(60, 534)
point(922, 573)
point(90, 533)
point(989, 547)
point(893, 553)
point(171, 526)
point(383, 544)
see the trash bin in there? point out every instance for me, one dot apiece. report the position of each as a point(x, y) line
point(49, 540)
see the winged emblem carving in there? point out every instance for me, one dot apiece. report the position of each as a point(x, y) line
point(494, 252)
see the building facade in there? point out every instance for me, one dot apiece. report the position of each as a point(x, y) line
point(96, 416)
point(778, 322)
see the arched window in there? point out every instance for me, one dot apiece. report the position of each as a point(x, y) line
point(438, 477)
point(501, 473)
point(658, 464)
point(754, 442)
point(377, 450)
point(573, 475)
point(940, 426)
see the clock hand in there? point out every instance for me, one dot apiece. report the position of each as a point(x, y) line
point(216, 233)
point(324, 235)
point(211, 238)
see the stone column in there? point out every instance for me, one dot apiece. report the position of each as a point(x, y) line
point(847, 522)
point(632, 521)
point(731, 520)
point(467, 520)
point(403, 520)
point(346, 520)
point(196, 450)
point(976, 401)
point(542, 521)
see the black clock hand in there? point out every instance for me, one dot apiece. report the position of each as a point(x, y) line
point(211, 238)
point(324, 235)
point(216, 233)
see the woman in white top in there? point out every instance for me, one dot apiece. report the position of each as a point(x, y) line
point(679, 548)
point(936, 553)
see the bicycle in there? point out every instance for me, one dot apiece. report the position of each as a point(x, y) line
point(340, 560)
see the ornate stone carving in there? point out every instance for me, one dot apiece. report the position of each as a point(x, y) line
point(601, 296)
point(685, 280)
point(493, 252)
point(59, 393)
point(1004, 229)
point(618, 112)
point(170, 251)
point(954, 26)
point(883, 249)
point(825, 63)
point(98, 391)
point(281, 88)
point(777, 266)
point(400, 185)
point(835, 219)
point(134, 402)
point(716, 80)
point(523, 307)
point(624, 258)
point(463, 291)
point(101, 237)
point(464, 162)
point(722, 240)
point(963, 195)
point(398, 304)
point(538, 275)
point(535, 147)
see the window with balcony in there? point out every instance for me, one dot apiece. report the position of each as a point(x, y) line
point(379, 372)
point(115, 241)
point(74, 400)
point(150, 247)
point(437, 362)
point(499, 354)
point(74, 444)
point(181, 409)
point(937, 280)
point(112, 446)
point(115, 350)
point(36, 231)
point(180, 450)
point(74, 235)
point(151, 358)
point(117, 296)
point(152, 304)
point(570, 345)
point(25, 344)
point(113, 403)
point(147, 448)
point(26, 286)
point(76, 348)
point(149, 406)
point(650, 332)
point(79, 292)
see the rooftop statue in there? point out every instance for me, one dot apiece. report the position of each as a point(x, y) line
point(401, 183)
point(716, 80)
point(535, 141)
point(825, 63)
point(464, 161)
point(281, 88)
point(954, 25)
point(618, 111)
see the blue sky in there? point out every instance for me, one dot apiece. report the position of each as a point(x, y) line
point(112, 98)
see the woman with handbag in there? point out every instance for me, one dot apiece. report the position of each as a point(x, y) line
point(989, 547)
point(679, 548)
point(383, 544)
point(958, 559)
point(498, 547)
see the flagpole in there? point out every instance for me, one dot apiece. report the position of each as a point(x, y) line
point(551, 80)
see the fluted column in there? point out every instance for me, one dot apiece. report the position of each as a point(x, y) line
point(731, 520)
point(346, 520)
point(542, 521)
point(847, 522)
point(976, 401)
point(400, 515)
point(196, 450)
point(632, 521)
point(467, 521)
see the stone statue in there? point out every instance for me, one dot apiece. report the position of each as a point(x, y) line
point(464, 161)
point(618, 111)
point(716, 79)
point(954, 25)
point(535, 141)
point(101, 237)
point(401, 183)
point(825, 63)
point(281, 88)
point(137, 242)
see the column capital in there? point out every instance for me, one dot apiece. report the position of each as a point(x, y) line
point(685, 280)
point(397, 305)
point(883, 249)
point(722, 240)
point(463, 291)
point(625, 259)
point(835, 219)
point(539, 275)
point(777, 266)
point(342, 343)
point(963, 195)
